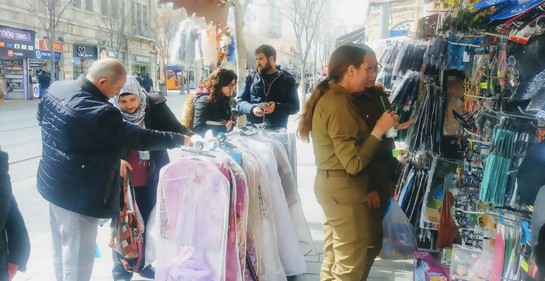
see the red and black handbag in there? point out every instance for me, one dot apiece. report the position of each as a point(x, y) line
point(127, 232)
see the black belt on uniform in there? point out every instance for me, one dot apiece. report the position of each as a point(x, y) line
point(339, 173)
point(334, 173)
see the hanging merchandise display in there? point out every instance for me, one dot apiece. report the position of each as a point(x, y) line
point(231, 211)
point(474, 86)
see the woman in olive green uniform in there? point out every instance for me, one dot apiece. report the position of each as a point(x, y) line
point(343, 147)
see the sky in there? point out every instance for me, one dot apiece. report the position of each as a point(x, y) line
point(351, 13)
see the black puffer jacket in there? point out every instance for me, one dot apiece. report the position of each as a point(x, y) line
point(12, 225)
point(283, 92)
point(83, 139)
point(208, 111)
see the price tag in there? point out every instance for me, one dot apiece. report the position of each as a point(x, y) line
point(466, 57)
point(524, 265)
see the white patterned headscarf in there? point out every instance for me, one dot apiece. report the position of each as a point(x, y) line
point(133, 87)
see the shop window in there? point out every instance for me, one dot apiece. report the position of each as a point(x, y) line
point(76, 3)
point(115, 9)
point(139, 15)
point(133, 12)
point(89, 5)
point(145, 13)
point(104, 7)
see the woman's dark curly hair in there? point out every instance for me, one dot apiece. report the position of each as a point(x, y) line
point(218, 79)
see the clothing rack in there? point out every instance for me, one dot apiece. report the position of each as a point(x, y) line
point(465, 44)
point(197, 151)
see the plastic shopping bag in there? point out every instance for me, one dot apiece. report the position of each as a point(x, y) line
point(399, 236)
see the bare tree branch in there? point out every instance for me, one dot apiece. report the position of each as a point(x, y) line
point(49, 19)
point(34, 10)
point(305, 16)
point(62, 12)
point(114, 27)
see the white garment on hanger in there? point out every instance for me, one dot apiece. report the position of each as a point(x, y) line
point(260, 219)
point(291, 193)
point(290, 252)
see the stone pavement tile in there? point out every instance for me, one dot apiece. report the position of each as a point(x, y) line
point(308, 277)
point(313, 267)
point(381, 270)
point(312, 258)
point(319, 244)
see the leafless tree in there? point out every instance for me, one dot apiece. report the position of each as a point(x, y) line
point(325, 43)
point(166, 27)
point(240, 7)
point(305, 16)
point(114, 27)
point(49, 13)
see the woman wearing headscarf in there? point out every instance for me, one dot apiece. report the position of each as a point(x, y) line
point(148, 111)
point(344, 146)
point(212, 105)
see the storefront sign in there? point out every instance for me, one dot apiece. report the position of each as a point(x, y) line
point(8, 33)
point(43, 45)
point(401, 29)
point(107, 54)
point(142, 59)
point(46, 55)
point(36, 90)
point(16, 43)
point(85, 51)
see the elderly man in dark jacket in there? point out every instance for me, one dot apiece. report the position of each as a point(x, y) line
point(270, 95)
point(84, 137)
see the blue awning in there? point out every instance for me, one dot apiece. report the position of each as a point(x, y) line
point(175, 68)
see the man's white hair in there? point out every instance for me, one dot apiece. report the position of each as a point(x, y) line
point(108, 68)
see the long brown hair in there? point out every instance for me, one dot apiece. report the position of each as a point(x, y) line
point(220, 78)
point(340, 60)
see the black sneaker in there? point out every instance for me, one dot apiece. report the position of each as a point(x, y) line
point(148, 272)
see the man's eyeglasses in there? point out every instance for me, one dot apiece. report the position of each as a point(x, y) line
point(375, 69)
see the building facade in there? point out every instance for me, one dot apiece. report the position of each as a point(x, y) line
point(401, 16)
point(86, 31)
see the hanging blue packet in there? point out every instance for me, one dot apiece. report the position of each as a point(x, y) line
point(522, 7)
point(98, 255)
point(526, 233)
point(485, 4)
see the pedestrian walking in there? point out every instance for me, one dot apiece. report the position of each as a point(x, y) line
point(44, 79)
point(147, 83)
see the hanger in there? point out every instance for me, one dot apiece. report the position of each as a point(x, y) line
point(464, 44)
point(220, 141)
point(473, 134)
point(197, 151)
point(495, 35)
point(524, 116)
point(480, 97)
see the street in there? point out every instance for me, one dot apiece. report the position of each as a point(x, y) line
point(20, 137)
